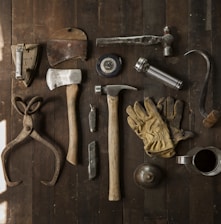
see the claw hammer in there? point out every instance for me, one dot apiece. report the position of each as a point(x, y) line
point(113, 136)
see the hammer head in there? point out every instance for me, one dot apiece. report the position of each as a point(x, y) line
point(112, 90)
point(62, 77)
point(167, 41)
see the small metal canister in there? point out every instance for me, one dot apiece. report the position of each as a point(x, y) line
point(147, 176)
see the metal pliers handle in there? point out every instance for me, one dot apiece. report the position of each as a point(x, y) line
point(28, 130)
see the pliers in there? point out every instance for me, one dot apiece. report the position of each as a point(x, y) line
point(28, 130)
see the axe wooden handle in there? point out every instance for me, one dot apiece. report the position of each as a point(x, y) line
point(113, 149)
point(71, 92)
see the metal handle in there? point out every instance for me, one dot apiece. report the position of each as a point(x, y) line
point(184, 159)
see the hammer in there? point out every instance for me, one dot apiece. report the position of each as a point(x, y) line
point(166, 40)
point(113, 136)
point(70, 78)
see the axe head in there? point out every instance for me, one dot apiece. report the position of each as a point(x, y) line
point(62, 77)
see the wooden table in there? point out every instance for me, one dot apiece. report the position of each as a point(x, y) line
point(182, 197)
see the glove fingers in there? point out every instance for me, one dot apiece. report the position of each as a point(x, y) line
point(166, 107)
point(183, 136)
point(178, 113)
point(130, 111)
point(169, 108)
point(188, 134)
point(164, 154)
point(140, 112)
point(161, 106)
point(172, 110)
point(151, 108)
point(132, 124)
point(168, 154)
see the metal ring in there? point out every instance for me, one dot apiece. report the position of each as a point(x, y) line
point(109, 65)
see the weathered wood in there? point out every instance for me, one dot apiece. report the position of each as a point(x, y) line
point(216, 34)
point(200, 38)
point(153, 24)
point(177, 176)
point(6, 197)
point(131, 145)
point(182, 197)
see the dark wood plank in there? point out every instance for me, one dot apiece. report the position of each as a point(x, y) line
point(200, 38)
point(22, 156)
point(153, 24)
point(6, 195)
point(59, 202)
point(89, 201)
point(177, 176)
point(131, 145)
point(182, 197)
point(216, 18)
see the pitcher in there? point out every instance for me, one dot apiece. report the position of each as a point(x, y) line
point(203, 160)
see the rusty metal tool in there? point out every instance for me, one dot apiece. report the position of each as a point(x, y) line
point(112, 92)
point(69, 78)
point(26, 58)
point(142, 65)
point(29, 122)
point(166, 40)
point(210, 119)
point(66, 44)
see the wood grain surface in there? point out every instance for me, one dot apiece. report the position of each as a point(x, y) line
point(181, 197)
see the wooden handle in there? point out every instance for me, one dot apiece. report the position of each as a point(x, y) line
point(113, 149)
point(211, 119)
point(71, 92)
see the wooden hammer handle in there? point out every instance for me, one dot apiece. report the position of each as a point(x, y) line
point(71, 92)
point(113, 149)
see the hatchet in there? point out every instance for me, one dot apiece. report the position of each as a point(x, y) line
point(69, 78)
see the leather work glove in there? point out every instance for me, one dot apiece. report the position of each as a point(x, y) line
point(150, 127)
point(172, 111)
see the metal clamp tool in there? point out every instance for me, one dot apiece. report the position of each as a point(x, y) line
point(28, 130)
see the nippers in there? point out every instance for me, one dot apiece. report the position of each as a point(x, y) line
point(28, 130)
